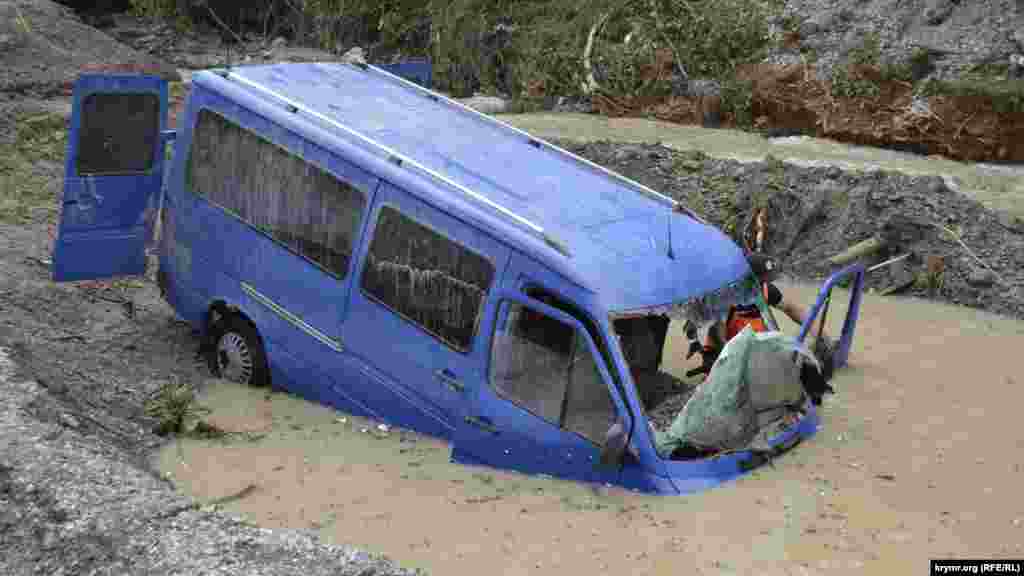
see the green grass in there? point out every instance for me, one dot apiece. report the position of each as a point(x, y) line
point(28, 166)
point(1005, 94)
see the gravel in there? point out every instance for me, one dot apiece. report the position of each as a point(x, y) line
point(77, 493)
point(43, 46)
point(960, 34)
point(72, 502)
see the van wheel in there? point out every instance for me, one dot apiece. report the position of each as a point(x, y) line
point(237, 353)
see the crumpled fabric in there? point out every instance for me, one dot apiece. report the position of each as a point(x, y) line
point(723, 413)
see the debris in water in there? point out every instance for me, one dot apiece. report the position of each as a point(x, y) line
point(889, 477)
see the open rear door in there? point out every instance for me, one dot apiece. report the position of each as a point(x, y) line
point(113, 172)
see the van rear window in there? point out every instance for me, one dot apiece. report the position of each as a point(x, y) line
point(427, 278)
point(118, 133)
point(298, 204)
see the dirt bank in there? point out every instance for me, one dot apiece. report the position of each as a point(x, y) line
point(792, 99)
point(44, 46)
point(976, 254)
point(909, 464)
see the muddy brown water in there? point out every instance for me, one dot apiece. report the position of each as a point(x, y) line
point(919, 456)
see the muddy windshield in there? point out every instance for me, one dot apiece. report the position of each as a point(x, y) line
point(662, 347)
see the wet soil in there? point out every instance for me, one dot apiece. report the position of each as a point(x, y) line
point(791, 98)
point(909, 464)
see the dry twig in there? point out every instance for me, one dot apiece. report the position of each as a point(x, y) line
point(967, 249)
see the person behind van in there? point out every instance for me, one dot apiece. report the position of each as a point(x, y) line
point(766, 270)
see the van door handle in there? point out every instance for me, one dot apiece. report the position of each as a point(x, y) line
point(449, 380)
point(483, 423)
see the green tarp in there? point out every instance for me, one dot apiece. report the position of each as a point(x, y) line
point(753, 383)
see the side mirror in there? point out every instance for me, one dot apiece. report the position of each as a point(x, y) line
point(616, 441)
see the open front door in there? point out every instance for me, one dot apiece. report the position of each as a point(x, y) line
point(113, 173)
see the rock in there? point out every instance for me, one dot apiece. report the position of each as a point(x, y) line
point(938, 11)
point(1018, 38)
point(936, 185)
point(818, 24)
point(486, 104)
point(901, 278)
point(279, 42)
point(1016, 65)
point(626, 154)
point(828, 190)
point(69, 420)
point(981, 277)
point(901, 230)
point(354, 56)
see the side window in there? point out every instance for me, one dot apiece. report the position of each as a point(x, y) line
point(118, 133)
point(426, 278)
point(545, 366)
point(301, 206)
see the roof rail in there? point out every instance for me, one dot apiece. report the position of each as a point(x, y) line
point(633, 184)
point(405, 161)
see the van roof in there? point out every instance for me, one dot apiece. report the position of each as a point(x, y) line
point(617, 236)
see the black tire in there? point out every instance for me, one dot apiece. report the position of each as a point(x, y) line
point(236, 352)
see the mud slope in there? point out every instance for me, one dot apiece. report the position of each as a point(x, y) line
point(912, 462)
point(43, 45)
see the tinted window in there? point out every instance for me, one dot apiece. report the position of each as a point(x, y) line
point(427, 278)
point(303, 207)
point(118, 133)
point(545, 366)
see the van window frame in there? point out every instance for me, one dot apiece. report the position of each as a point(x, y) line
point(154, 158)
point(566, 305)
point(348, 273)
point(560, 425)
point(373, 226)
point(528, 287)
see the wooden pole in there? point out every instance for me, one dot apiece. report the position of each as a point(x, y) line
point(858, 250)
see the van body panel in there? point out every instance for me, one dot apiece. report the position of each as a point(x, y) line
point(595, 216)
point(501, 433)
point(564, 248)
point(525, 273)
point(114, 171)
point(441, 196)
point(436, 373)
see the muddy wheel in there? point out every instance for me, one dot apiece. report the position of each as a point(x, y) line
point(237, 352)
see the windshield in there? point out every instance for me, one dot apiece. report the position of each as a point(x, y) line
point(662, 346)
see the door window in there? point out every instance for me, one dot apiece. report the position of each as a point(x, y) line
point(426, 278)
point(118, 133)
point(545, 366)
